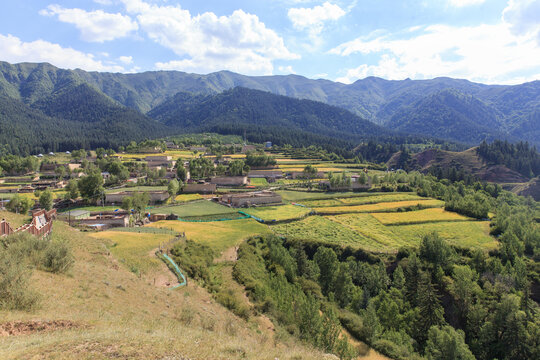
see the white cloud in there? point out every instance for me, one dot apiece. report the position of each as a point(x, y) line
point(14, 50)
point(95, 26)
point(313, 19)
point(286, 69)
point(485, 53)
point(239, 42)
point(126, 59)
point(463, 3)
point(523, 17)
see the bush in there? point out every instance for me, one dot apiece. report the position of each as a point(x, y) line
point(57, 257)
point(14, 291)
point(51, 256)
point(229, 299)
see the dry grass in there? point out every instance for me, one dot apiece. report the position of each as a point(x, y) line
point(134, 249)
point(122, 316)
point(15, 220)
point(418, 217)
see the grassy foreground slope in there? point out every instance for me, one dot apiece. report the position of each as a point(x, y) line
point(119, 315)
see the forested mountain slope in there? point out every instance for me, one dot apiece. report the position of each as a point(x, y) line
point(458, 110)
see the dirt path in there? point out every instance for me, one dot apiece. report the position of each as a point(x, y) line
point(231, 254)
point(162, 277)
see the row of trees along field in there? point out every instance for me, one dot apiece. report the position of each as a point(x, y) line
point(436, 301)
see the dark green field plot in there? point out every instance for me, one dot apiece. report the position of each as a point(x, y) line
point(195, 209)
point(278, 213)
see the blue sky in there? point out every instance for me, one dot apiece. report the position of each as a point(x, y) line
point(490, 41)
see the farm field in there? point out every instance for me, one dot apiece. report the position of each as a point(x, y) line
point(137, 189)
point(187, 197)
point(92, 208)
point(297, 196)
point(362, 198)
point(278, 213)
point(219, 235)
point(325, 230)
point(371, 228)
point(134, 249)
point(258, 181)
point(195, 208)
point(418, 217)
point(473, 234)
point(379, 207)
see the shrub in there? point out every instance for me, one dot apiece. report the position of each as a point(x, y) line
point(52, 256)
point(57, 257)
point(14, 291)
point(229, 299)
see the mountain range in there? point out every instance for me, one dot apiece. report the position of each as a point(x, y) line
point(110, 108)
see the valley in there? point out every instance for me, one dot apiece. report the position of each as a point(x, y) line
point(318, 242)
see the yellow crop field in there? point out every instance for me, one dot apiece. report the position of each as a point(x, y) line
point(187, 197)
point(416, 217)
point(278, 213)
point(325, 230)
point(134, 249)
point(473, 234)
point(361, 199)
point(379, 207)
point(371, 228)
point(219, 235)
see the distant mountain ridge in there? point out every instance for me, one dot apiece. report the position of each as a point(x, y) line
point(452, 109)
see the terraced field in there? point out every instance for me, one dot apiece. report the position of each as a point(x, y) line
point(278, 213)
point(379, 207)
point(418, 217)
point(362, 199)
point(473, 234)
point(219, 235)
point(322, 229)
point(370, 228)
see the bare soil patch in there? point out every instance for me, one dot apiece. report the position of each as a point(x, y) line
point(14, 328)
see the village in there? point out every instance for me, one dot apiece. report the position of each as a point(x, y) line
point(95, 190)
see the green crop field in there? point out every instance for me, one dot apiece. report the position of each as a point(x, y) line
point(137, 189)
point(379, 207)
point(134, 249)
point(420, 216)
point(219, 235)
point(463, 234)
point(195, 208)
point(283, 212)
point(325, 230)
point(291, 195)
point(362, 199)
point(258, 181)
